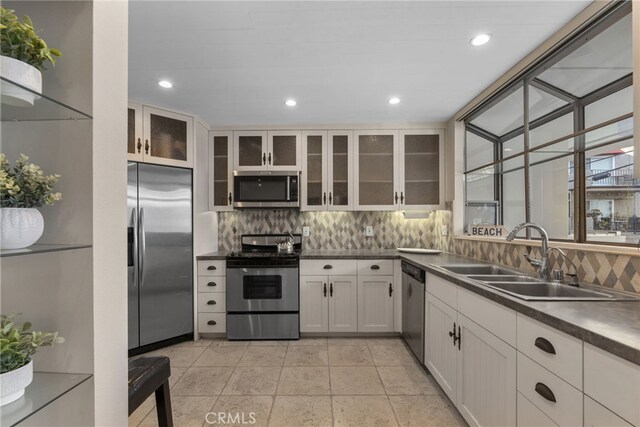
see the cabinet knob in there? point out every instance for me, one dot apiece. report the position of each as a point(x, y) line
point(269, 161)
point(402, 197)
point(544, 391)
point(544, 345)
point(211, 267)
point(328, 267)
point(139, 146)
point(212, 284)
point(330, 198)
point(330, 289)
point(211, 302)
point(324, 290)
point(396, 197)
point(264, 159)
point(375, 267)
point(324, 198)
point(146, 146)
point(230, 198)
point(212, 322)
point(390, 289)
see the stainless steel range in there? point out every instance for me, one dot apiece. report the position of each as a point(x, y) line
point(263, 288)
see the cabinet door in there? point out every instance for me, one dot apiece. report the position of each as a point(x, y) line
point(343, 304)
point(340, 170)
point(421, 167)
point(314, 175)
point(596, 415)
point(135, 144)
point(314, 304)
point(168, 137)
point(440, 353)
point(220, 171)
point(250, 150)
point(375, 170)
point(284, 150)
point(375, 303)
point(486, 389)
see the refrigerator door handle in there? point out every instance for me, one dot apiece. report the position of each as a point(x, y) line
point(134, 249)
point(142, 245)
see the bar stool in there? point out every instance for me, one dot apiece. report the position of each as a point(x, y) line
point(151, 375)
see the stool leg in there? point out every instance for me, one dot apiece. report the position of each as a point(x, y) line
point(163, 405)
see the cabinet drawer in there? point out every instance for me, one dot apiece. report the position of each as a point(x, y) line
point(445, 291)
point(530, 416)
point(494, 317)
point(212, 284)
point(212, 322)
point(212, 268)
point(328, 267)
point(596, 415)
point(558, 352)
point(212, 302)
point(375, 267)
point(613, 382)
point(535, 382)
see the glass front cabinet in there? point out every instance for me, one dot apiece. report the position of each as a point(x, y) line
point(327, 173)
point(399, 170)
point(159, 136)
point(220, 171)
point(273, 150)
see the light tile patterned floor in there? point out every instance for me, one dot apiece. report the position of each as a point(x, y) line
point(311, 382)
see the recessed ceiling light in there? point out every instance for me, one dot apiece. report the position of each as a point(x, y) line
point(290, 102)
point(394, 101)
point(480, 39)
point(165, 84)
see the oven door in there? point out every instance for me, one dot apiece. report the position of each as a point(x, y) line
point(262, 289)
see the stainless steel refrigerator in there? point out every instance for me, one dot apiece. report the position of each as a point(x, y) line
point(160, 253)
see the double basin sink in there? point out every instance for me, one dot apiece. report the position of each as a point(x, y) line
point(530, 288)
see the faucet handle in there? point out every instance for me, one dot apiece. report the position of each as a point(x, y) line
point(534, 262)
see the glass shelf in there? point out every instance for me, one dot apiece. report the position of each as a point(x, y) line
point(44, 108)
point(38, 249)
point(45, 388)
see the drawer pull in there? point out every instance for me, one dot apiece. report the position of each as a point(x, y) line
point(544, 345)
point(211, 268)
point(212, 322)
point(212, 284)
point(211, 302)
point(328, 267)
point(375, 267)
point(545, 392)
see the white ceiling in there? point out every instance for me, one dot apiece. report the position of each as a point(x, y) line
point(235, 63)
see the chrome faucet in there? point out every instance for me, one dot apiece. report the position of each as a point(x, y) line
point(542, 265)
point(559, 274)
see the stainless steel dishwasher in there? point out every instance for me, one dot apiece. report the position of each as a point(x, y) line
point(413, 308)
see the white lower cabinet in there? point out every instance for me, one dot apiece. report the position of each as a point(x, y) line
point(476, 369)
point(440, 352)
point(328, 304)
point(596, 415)
point(375, 303)
point(486, 375)
point(211, 297)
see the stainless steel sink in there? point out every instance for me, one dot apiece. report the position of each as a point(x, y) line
point(550, 291)
point(504, 278)
point(478, 269)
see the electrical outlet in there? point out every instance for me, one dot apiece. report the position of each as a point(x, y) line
point(368, 231)
point(305, 231)
point(445, 230)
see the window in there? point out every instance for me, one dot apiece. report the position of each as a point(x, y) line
point(556, 147)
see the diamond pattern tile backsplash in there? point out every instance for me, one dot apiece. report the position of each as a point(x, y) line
point(345, 230)
point(336, 230)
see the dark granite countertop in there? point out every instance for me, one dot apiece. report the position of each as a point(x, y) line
point(350, 253)
point(212, 255)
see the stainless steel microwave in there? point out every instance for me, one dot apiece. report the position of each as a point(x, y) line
point(266, 189)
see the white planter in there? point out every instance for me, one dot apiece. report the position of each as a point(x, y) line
point(20, 227)
point(24, 75)
point(14, 382)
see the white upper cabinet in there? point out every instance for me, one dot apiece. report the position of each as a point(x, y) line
point(220, 171)
point(327, 171)
point(159, 136)
point(421, 169)
point(376, 172)
point(273, 150)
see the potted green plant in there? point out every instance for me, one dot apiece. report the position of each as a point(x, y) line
point(23, 56)
point(23, 189)
point(18, 345)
